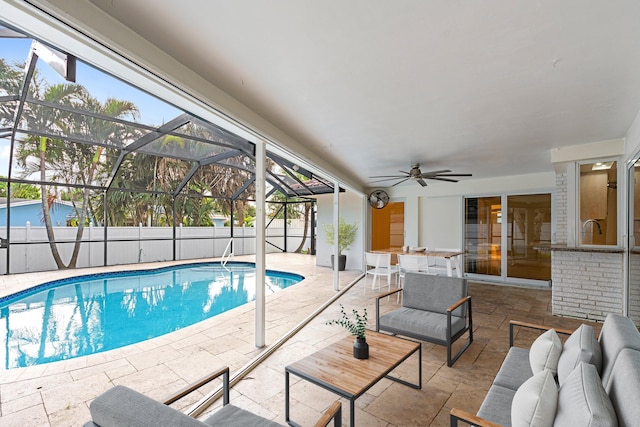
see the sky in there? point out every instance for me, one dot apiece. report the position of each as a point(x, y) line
point(99, 84)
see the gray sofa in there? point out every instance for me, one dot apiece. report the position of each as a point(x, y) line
point(123, 407)
point(435, 309)
point(609, 372)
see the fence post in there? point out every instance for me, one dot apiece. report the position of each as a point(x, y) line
point(27, 248)
point(90, 244)
point(139, 242)
point(180, 242)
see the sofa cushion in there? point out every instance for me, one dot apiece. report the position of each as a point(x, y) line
point(122, 407)
point(582, 401)
point(496, 406)
point(230, 416)
point(420, 323)
point(433, 293)
point(623, 387)
point(515, 369)
point(618, 332)
point(545, 352)
point(535, 402)
point(581, 346)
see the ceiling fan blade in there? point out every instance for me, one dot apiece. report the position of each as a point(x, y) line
point(405, 172)
point(401, 181)
point(455, 174)
point(431, 173)
point(387, 176)
point(385, 179)
point(442, 179)
point(421, 182)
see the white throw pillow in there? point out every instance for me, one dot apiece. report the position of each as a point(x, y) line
point(545, 352)
point(581, 346)
point(535, 402)
point(582, 400)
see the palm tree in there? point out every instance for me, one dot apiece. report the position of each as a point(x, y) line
point(66, 162)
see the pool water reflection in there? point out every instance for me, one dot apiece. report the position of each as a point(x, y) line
point(89, 314)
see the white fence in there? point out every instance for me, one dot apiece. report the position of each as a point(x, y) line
point(30, 249)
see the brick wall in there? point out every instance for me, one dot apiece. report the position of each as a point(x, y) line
point(561, 208)
point(586, 285)
point(634, 288)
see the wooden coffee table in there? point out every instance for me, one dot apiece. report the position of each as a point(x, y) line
point(335, 369)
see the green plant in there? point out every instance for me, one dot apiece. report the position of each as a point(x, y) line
point(356, 325)
point(346, 234)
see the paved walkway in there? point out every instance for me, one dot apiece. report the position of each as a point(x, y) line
point(58, 394)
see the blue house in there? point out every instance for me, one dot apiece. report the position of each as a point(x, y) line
point(23, 210)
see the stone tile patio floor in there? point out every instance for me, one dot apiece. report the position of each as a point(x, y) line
point(58, 394)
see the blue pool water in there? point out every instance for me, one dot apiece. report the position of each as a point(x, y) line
point(89, 314)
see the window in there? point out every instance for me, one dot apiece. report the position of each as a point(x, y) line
point(598, 212)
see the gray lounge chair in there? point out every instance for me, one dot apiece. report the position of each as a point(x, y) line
point(121, 406)
point(436, 309)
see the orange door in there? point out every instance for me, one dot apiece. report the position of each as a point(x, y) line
point(387, 226)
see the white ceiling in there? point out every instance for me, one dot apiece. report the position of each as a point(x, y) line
point(481, 87)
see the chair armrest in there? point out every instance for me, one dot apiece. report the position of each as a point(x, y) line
point(224, 372)
point(386, 294)
point(459, 415)
point(459, 303)
point(378, 298)
point(334, 412)
point(513, 323)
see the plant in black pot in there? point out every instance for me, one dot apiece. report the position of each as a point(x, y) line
point(357, 327)
point(346, 236)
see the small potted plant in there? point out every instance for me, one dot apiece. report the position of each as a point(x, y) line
point(357, 327)
point(346, 236)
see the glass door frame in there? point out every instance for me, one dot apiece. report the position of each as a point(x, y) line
point(504, 243)
point(629, 241)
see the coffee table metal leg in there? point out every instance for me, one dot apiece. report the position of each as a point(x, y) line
point(286, 396)
point(352, 415)
point(407, 383)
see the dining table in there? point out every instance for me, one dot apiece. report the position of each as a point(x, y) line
point(451, 258)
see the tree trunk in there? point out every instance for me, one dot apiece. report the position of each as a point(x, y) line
point(307, 211)
point(46, 215)
point(80, 231)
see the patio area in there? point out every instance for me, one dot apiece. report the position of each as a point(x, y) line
point(58, 394)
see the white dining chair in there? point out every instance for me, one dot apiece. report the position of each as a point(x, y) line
point(379, 264)
point(442, 266)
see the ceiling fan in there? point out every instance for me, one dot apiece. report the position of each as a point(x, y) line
point(416, 175)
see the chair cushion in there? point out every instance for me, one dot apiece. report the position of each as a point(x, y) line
point(545, 352)
point(618, 332)
point(420, 323)
point(122, 407)
point(230, 416)
point(433, 293)
point(535, 402)
point(623, 387)
point(515, 369)
point(582, 400)
point(496, 406)
point(581, 346)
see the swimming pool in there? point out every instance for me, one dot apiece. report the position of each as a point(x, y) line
point(89, 314)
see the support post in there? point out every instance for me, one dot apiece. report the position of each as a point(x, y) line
point(286, 205)
point(336, 225)
point(260, 326)
point(174, 227)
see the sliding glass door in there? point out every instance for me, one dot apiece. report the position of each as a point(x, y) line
point(483, 235)
point(528, 228)
point(504, 234)
point(633, 294)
